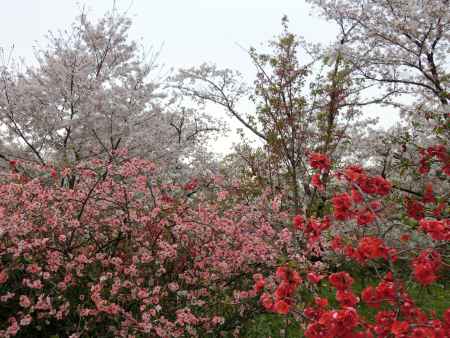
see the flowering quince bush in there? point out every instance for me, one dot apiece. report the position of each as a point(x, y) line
point(119, 254)
point(399, 241)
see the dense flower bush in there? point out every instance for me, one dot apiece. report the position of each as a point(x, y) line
point(119, 254)
point(380, 243)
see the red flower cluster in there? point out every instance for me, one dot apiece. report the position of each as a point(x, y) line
point(314, 277)
point(398, 315)
point(384, 291)
point(376, 185)
point(314, 312)
point(260, 282)
point(414, 324)
point(317, 182)
point(299, 222)
point(438, 230)
point(342, 204)
point(368, 248)
point(346, 298)
point(428, 196)
point(426, 266)
point(414, 209)
point(341, 280)
point(439, 152)
point(313, 228)
point(365, 217)
point(353, 172)
point(335, 323)
point(282, 300)
point(319, 161)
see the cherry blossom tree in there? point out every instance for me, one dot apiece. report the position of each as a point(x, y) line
point(92, 91)
point(402, 45)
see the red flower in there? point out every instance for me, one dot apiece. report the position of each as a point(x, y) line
point(53, 173)
point(371, 297)
point(353, 172)
point(439, 151)
point(375, 205)
point(281, 307)
point(426, 265)
point(424, 167)
point(266, 301)
point(373, 185)
point(299, 222)
point(384, 320)
point(284, 290)
point(423, 332)
point(415, 209)
point(336, 243)
point(439, 209)
point(405, 237)
point(386, 290)
point(321, 302)
point(341, 205)
point(428, 196)
point(295, 278)
point(282, 272)
point(383, 186)
point(356, 196)
point(259, 285)
point(367, 184)
point(400, 328)
point(346, 298)
point(316, 182)
point(336, 324)
point(341, 280)
point(446, 169)
point(371, 248)
point(319, 161)
point(438, 230)
point(314, 278)
point(290, 278)
point(365, 217)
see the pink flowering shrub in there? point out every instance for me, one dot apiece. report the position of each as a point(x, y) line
point(116, 254)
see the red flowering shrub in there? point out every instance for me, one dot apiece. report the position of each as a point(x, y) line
point(376, 240)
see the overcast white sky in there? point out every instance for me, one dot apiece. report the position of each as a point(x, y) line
point(190, 31)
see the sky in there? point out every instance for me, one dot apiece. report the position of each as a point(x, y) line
point(190, 31)
point(187, 32)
